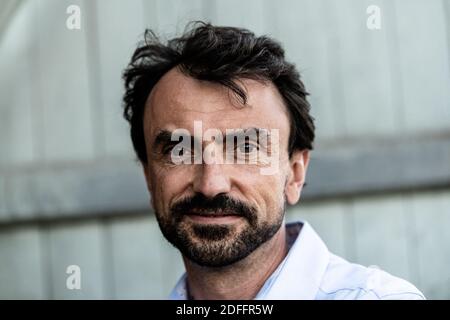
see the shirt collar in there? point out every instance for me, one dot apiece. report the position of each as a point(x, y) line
point(297, 277)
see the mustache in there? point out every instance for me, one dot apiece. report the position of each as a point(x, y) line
point(220, 205)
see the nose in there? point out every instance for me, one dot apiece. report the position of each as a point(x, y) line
point(210, 180)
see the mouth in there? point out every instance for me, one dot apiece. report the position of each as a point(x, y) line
point(213, 217)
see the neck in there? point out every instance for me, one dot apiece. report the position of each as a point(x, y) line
point(241, 280)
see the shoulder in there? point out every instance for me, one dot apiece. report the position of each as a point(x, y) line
point(344, 280)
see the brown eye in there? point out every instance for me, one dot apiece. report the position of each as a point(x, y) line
point(178, 150)
point(168, 149)
point(247, 148)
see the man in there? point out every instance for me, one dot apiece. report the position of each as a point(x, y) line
point(227, 218)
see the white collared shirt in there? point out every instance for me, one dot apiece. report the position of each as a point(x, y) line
point(311, 272)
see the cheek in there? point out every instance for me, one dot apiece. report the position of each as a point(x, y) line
point(276, 193)
point(274, 200)
point(267, 190)
point(168, 183)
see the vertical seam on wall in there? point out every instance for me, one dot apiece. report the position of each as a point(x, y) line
point(349, 230)
point(335, 72)
point(265, 13)
point(37, 109)
point(409, 215)
point(446, 5)
point(46, 263)
point(94, 68)
point(109, 284)
point(148, 17)
point(7, 195)
point(396, 81)
point(271, 23)
point(209, 10)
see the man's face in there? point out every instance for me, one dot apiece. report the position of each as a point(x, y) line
point(216, 214)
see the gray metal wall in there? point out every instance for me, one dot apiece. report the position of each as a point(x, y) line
point(71, 193)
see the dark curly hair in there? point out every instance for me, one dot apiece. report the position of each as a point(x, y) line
point(217, 54)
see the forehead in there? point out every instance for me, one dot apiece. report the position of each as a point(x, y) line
point(178, 100)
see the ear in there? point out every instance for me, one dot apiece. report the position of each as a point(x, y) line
point(298, 164)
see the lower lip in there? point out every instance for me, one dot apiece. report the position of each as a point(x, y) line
point(212, 219)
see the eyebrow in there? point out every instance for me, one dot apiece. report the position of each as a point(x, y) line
point(239, 133)
point(164, 137)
